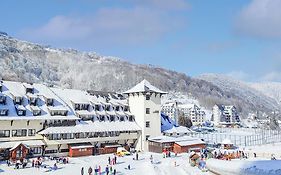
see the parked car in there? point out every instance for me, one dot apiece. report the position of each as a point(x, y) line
point(122, 152)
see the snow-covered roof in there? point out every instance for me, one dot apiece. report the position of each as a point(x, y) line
point(35, 108)
point(20, 107)
point(178, 130)
point(190, 142)
point(32, 95)
point(110, 113)
point(144, 86)
point(101, 112)
point(85, 112)
point(5, 145)
point(82, 146)
point(57, 108)
point(120, 113)
point(27, 85)
point(166, 139)
point(94, 127)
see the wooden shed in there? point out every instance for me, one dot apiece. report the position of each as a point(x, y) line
point(188, 145)
point(19, 151)
point(77, 150)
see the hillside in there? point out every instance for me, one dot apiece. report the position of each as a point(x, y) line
point(271, 89)
point(25, 61)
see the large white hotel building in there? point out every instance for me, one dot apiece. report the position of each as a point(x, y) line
point(37, 120)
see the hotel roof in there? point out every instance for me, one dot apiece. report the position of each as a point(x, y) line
point(144, 86)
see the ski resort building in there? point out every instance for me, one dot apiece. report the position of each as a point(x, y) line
point(145, 104)
point(39, 120)
point(192, 111)
point(225, 115)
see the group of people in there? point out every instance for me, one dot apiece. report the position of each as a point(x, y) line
point(98, 169)
point(230, 155)
point(167, 153)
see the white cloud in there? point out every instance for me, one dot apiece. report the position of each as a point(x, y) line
point(144, 22)
point(260, 18)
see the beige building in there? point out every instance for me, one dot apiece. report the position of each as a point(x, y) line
point(55, 121)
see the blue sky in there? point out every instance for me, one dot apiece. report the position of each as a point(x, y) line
point(240, 38)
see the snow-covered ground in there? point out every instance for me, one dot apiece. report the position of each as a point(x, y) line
point(162, 166)
point(261, 165)
point(245, 167)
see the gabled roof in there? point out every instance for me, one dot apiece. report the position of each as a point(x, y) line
point(144, 86)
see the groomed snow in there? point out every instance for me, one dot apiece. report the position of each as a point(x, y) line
point(161, 166)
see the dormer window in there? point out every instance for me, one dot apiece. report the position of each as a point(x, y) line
point(58, 110)
point(131, 118)
point(117, 108)
point(102, 118)
point(4, 112)
point(97, 108)
point(112, 118)
point(126, 109)
point(122, 118)
point(35, 110)
point(18, 100)
point(108, 108)
point(21, 111)
point(2, 99)
point(147, 97)
point(50, 102)
point(28, 88)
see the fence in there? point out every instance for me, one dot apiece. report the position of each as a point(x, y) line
point(241, 137)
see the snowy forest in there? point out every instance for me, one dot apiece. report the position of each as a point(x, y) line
point(69, 68)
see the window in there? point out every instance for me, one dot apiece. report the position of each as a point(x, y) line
point(4, 133)
point(147, 124)
point(31, 132)
point(19, 133)
point(147, 97)
point(147, 110)
point(64, 150)
point(146, 137)
point(36, 150)
point(3, 112)
point(51, 151)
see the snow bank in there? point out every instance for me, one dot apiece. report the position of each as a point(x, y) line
point(242, 167)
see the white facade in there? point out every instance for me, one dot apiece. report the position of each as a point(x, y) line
point(145, 105)
point(225, 115)
point(192, 111)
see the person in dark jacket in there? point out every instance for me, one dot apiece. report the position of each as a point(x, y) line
point(82, 171)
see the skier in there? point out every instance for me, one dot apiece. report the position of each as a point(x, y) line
point(82, 171)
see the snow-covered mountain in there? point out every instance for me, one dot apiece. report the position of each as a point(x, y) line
point(247, 96)
point(271, 89)
point(25, 61)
